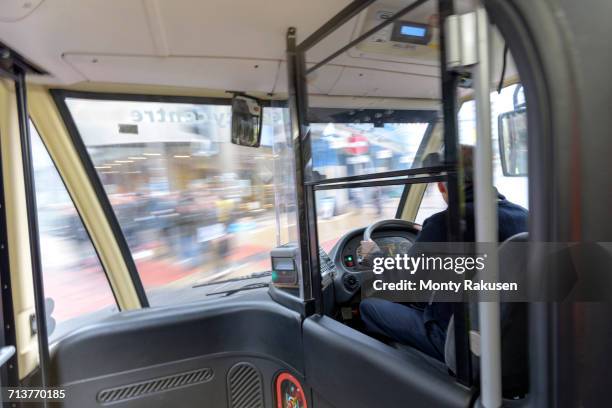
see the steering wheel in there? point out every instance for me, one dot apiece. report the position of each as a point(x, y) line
point(348, 282)
point(369, 249)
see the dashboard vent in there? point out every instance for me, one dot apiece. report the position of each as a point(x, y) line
point(245, 387)
point(161, 384)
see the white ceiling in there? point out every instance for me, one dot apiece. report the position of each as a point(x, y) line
point(213, 44)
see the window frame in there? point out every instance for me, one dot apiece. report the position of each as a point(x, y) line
point(60, 95)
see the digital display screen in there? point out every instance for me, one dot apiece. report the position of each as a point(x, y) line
point(283, 264)
point(413, 31)
point(284, 272)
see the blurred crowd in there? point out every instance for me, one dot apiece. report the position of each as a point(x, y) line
point(192, 227)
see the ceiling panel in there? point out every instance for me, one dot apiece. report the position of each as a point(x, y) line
point(202, 43)
point(15, 10)
point(364, 82)
point(320, 83)
point(212, 73)
point(240, 28)
point(94, 26)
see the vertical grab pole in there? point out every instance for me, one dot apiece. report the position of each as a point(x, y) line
point(451, 157)
point(486, 219)
point(305, 195)
point(28, 174)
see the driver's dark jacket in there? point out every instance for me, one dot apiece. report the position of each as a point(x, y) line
point(512, 219)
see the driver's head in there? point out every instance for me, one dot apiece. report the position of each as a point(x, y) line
point(467, 154)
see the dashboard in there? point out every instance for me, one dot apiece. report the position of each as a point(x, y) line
point(391, 239)
point(389, 246)
point(391, 242)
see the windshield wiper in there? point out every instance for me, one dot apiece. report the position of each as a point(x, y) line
point(229, 292)
point(253, 275)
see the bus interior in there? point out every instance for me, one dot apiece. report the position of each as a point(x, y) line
point(178, 263)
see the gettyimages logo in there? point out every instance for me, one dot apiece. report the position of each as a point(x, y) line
point(413, 264)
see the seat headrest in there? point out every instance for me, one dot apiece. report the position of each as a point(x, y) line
point(520, 237)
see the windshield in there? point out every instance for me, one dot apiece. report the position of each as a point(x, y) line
point(193, 207)
point(354, 149)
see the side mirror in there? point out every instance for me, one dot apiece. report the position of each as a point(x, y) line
point(247, 117)
point(512, 134)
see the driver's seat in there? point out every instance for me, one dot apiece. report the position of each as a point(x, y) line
point(515, 370)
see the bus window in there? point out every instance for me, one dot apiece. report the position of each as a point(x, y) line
point(75, 284)
point(514, 188)
point(194, 208)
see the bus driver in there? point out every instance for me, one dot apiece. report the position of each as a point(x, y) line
point(424, 326)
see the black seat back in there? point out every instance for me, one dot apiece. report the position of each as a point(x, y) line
point(513, 316)
point(515, 368)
